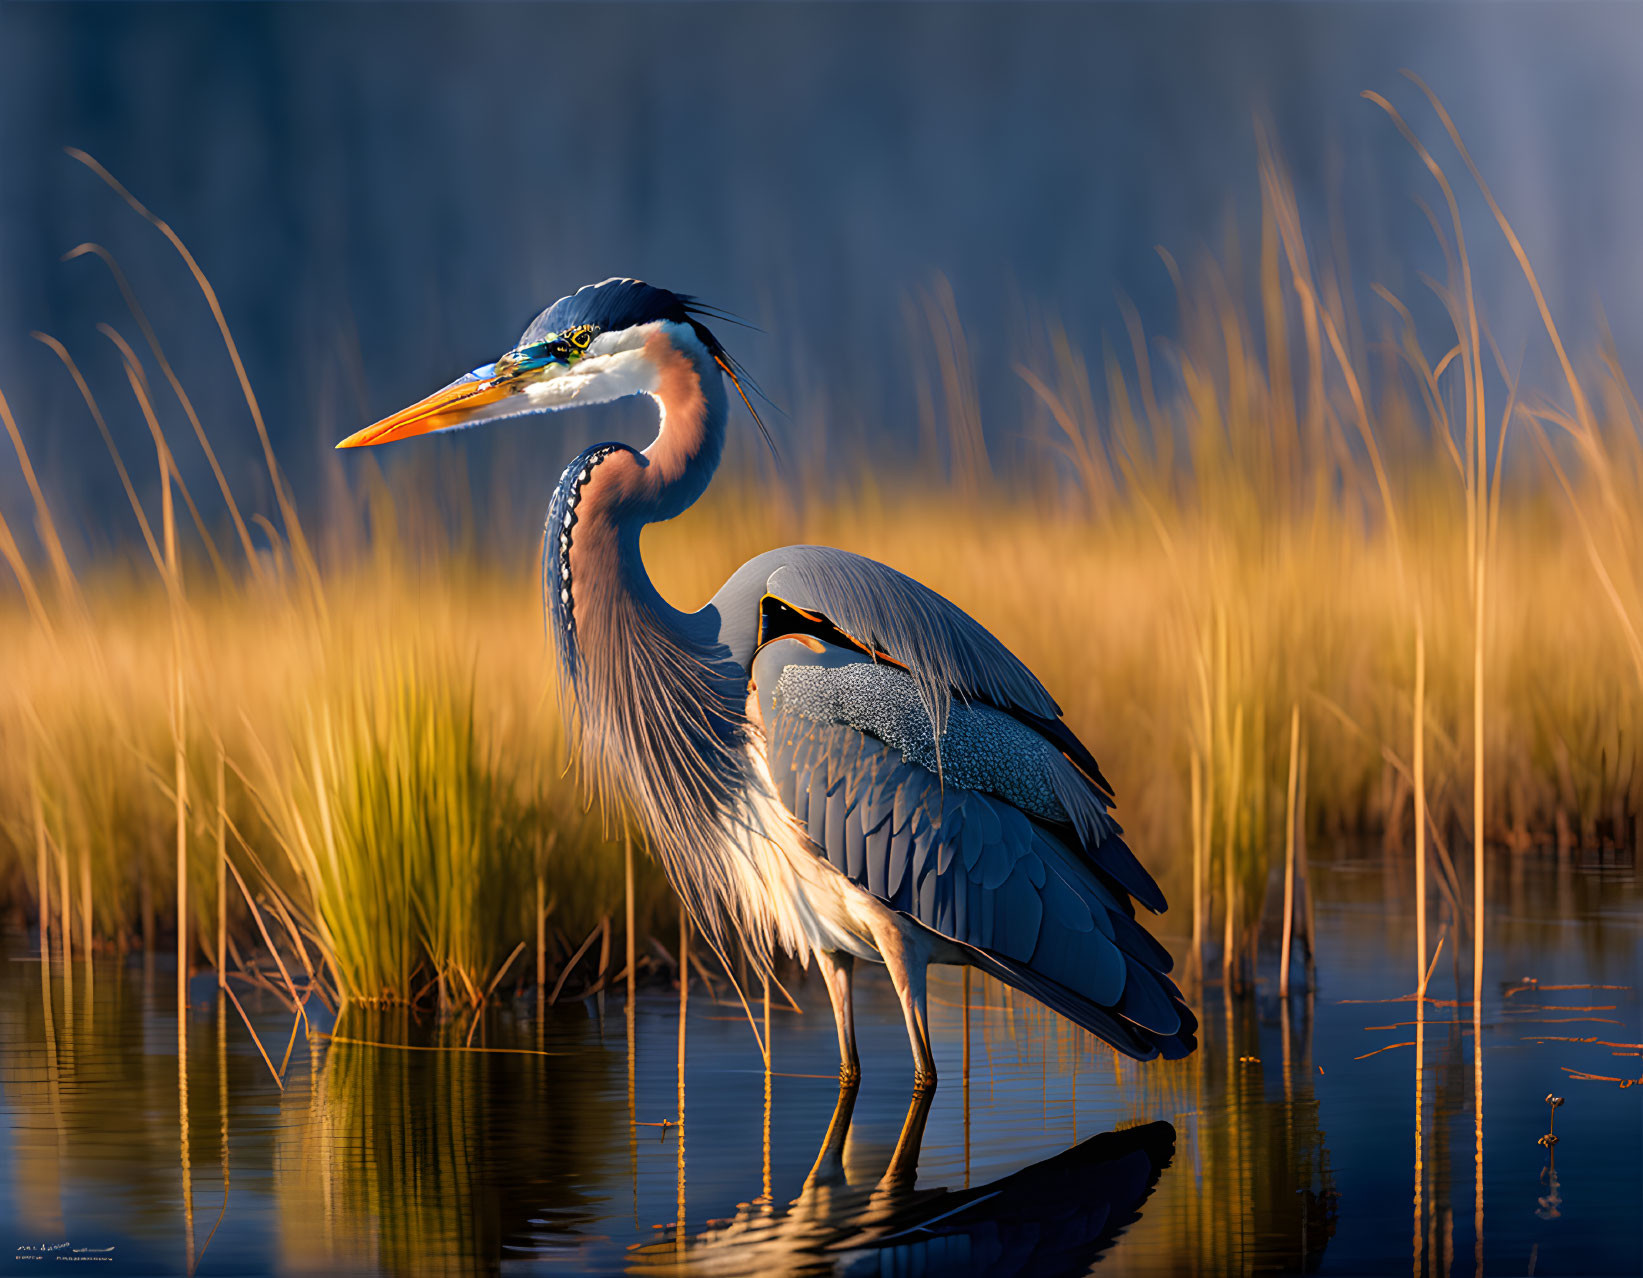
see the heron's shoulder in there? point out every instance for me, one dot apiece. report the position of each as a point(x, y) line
point(882, 611)
point(848, 599)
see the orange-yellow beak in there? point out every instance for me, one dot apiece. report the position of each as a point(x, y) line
point(458, 403)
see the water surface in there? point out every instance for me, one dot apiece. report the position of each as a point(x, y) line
point(1274, 1148)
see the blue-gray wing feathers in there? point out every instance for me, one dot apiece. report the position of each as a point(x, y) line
point(946, 650)
point(1035, 908)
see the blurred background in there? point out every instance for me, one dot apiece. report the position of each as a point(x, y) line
point(383, 195)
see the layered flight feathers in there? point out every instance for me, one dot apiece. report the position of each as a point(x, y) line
point(971, 865)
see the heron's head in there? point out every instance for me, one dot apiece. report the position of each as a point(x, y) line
point(603, 342)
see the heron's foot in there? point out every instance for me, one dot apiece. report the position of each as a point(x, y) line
point(924, 1082)
point(849, 1073)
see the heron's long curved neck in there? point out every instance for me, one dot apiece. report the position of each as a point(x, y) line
point(659, 698)
point(605, 601)
point(660, 484)
point(691, 438)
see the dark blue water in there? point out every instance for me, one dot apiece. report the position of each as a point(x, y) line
point(1274, 1148)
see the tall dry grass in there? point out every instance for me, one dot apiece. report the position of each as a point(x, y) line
point(1240, 552)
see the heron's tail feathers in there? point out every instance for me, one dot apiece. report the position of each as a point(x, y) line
point(1149, 997)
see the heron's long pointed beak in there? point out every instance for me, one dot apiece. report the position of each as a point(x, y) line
point(457, 403)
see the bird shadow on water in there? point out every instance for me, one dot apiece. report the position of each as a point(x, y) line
point(1054, 1217)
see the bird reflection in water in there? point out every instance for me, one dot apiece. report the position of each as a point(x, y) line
point(1054, 1217)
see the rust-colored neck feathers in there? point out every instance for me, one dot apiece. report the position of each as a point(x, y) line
point(658, 699)
point(691, 440)
point(628, 490)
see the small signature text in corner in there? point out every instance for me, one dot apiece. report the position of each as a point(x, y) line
point(63, 1251)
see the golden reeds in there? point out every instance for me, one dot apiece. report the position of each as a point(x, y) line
point(1249, 526)
point(1288, 917)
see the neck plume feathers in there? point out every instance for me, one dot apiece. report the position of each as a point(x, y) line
point(658, 702)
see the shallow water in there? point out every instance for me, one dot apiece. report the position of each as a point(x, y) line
point(1274, 1148)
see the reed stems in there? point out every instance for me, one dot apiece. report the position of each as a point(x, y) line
point(42, 884)
point(64, 914)
point(1289, 849)
point(1235, 537)
point(629, 938)
point(1419, 756)
point(541, 934)
point(1195, 955)
point(222, 869)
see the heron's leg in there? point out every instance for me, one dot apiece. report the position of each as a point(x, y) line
point(838, 971)
point(907, 964)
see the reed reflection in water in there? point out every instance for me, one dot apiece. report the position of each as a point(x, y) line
point(554, 1144)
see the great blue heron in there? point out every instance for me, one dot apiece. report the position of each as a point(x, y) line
point(829, 758)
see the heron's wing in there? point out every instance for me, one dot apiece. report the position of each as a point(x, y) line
point(846, 599)
point(971, 866)
point(947, 651)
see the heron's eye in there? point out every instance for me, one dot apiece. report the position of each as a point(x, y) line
point(561, 348)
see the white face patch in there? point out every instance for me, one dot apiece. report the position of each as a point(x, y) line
point(614, 367)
